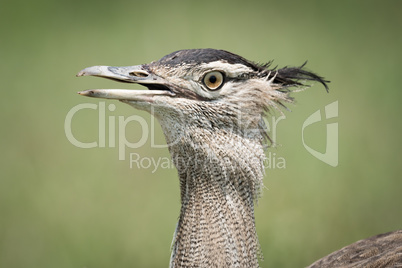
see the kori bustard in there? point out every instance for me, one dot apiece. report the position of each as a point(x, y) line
point(210, 104)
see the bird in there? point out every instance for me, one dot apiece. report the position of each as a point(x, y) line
point(211, 105)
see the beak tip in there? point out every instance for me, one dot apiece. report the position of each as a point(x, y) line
point(81, 73)
point(86, 93)
point(94, 71)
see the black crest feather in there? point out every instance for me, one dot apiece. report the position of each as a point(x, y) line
point(291, 76)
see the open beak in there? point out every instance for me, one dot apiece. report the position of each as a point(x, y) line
point(130, 74)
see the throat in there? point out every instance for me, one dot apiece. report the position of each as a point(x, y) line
point(219, 183)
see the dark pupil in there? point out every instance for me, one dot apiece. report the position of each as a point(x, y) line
point(212, 79)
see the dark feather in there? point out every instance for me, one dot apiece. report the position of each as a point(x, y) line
point(291, 76)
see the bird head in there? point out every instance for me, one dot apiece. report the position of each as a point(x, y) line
point(204, 87)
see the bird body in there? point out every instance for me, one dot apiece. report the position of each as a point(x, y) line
point(384, 250)
point(210, 104)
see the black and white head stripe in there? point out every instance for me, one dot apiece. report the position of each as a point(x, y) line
point(286, 77)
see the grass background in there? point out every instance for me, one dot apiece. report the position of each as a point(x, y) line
point(63, 206)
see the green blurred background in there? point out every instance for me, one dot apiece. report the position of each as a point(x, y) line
point(63, 206)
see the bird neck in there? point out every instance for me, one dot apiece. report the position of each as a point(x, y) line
point(220, 177)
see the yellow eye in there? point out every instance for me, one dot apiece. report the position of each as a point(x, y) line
point(213, 80)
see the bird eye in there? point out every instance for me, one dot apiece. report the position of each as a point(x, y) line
point(213, 80)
